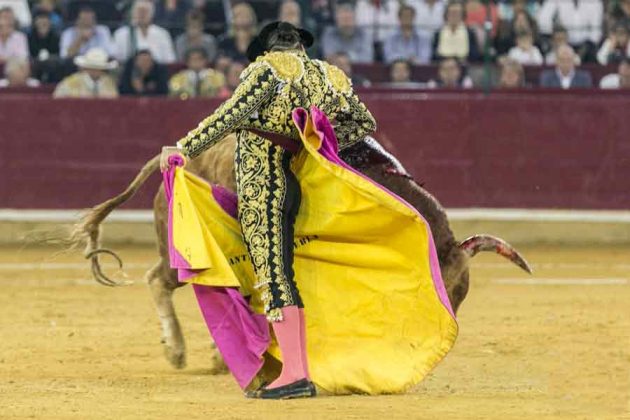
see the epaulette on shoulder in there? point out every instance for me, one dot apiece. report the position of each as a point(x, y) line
point(286, 66)
point(251, 67)
point(336, 77)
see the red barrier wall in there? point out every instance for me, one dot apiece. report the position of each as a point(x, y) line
point(516, 149)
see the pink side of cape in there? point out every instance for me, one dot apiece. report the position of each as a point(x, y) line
point(241, 336)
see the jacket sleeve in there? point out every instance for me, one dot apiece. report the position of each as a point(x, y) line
point(356, 123)
point(257, 87)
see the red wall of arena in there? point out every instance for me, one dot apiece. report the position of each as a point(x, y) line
point(515, 149)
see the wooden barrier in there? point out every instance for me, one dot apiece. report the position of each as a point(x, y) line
point(513, 149)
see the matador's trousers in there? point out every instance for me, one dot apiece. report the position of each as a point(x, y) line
point(268, 201)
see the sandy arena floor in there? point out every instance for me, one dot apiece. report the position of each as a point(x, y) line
point(557, 347)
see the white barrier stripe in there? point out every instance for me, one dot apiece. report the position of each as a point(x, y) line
point(471, 214)
point(72, 216)
point(75, 282)
point(65, 266)
point(562, 282)
point(551, 266)
point(530, 215)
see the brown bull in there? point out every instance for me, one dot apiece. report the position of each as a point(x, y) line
point(217, 167)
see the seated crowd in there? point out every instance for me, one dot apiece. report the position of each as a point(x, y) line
point(197, 48)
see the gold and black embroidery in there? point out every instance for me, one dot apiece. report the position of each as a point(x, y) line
point(270, 89)
point(287, 67)
point(250, 95)
point(266, 199)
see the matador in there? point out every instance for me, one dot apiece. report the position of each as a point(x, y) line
point(280, 79)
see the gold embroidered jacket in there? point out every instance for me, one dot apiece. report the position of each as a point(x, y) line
point(271, 88)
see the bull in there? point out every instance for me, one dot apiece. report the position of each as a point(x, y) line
point(217, 167)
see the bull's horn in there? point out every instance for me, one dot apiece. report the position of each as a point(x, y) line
point(96, 267)
point(479, 243)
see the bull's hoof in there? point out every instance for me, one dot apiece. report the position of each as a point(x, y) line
point(176, 357)
point(217, 365)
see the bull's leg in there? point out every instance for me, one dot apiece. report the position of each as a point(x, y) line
point(162, 282)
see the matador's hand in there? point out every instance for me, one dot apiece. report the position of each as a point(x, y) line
point(167, 152)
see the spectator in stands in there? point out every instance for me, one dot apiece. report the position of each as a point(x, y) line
point(143, 34)
point(429, 14)
point(43, 42)
point(194, 37)
point(243, 31)
point(620, 11)
point(508, 9)
point(17, 72)
point(92, 80)
point(506, 33)
point(215, 14)
point(400, 71)
point(20, 11)
point(346, 36)
point(560, 37)
point(13, 43)
point(322, 11)
point(582, 18)
point(291, 11)
point(50, 7)
point(407, 42)
point(476, 15)
point(142, 75)
point(198, 79)
point(222, 62)
point(108, 12)
point(455, 39)
point(84, 35)
point(378, 18)
point(451, 75)
point(617, 45)
point(619, 80)
point(400, 75)
point(512, 74)
point(525, 52)
point(232, 78)
point(171, 15)
point(342, 60)
point(565, 75)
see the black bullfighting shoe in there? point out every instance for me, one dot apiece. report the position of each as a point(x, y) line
point(298, 389)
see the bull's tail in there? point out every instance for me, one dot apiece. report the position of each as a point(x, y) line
point(88, 229)
point(479, 243)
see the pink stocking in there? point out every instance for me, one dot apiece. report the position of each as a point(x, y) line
point(289, 339)
point(303, 340)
